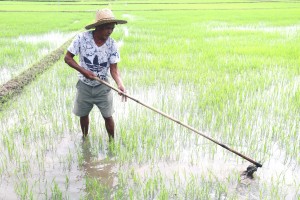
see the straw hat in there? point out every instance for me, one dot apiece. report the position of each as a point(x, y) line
point(105, 16)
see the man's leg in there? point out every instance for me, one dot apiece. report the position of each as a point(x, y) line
point(110, 127)
point(84, 123)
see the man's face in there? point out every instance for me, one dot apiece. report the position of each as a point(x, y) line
point(105, 30)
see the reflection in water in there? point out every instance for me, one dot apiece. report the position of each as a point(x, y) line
point(103, 170)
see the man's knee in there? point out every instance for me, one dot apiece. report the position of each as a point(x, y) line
point(108, 119)
point(84, 119)
point(109, 123)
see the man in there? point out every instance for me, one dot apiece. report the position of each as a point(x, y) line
point(98, 53)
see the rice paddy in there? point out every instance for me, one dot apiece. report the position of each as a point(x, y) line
point(231, 69)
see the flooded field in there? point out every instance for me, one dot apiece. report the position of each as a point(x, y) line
point(233, 75)
point(45, 156)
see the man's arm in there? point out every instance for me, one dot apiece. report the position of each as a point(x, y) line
point(69, 59)
point(116, 76)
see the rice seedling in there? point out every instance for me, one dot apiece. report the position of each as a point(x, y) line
point(56, 193)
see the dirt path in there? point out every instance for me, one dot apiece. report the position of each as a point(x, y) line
point(15, 85)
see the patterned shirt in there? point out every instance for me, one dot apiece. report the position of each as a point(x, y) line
point(94, 58)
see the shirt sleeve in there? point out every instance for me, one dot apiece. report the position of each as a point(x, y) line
point(74, 47)
point(114, 53)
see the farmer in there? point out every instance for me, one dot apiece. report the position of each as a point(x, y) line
point(98, 54)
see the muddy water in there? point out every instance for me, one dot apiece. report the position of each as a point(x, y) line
point(61, 165)
point(105, 167)
point(61, 162)
point(56, 170)
point(102, 166)
point(272, 172)
point(57, 38)
point(40, 179)
point(5, 75)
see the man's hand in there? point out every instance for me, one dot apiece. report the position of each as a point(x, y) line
point(88, 74)
point(116, 76)
point(122, 88)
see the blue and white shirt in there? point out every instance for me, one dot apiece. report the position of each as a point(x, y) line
point(94, 58)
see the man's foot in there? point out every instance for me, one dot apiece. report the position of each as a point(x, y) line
point(111, 148)
point(111, 139)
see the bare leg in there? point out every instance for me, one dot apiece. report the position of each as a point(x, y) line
point(84, 123)
point(110, 127)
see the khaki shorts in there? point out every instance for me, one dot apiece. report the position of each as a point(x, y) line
point(87, 96)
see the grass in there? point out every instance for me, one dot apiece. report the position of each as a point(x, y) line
point(232, 74)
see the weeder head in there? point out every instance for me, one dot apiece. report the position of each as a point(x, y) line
point(250, 171)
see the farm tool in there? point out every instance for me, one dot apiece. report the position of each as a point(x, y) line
point(250, 169)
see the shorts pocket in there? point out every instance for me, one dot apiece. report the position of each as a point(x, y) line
point(107, 89)
point(80, 85)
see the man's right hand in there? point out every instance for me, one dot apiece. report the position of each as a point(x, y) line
point(88, 74)
point(69, 59)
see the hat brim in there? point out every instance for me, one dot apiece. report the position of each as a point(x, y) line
point(117, 21)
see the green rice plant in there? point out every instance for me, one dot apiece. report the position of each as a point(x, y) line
point(56, 193)
point(96, 190)
point(134, 6)
point(23, 190)
point(67, 183)
point(229, 71)
point(34, 22)
point(69, 159)
point(31, 50)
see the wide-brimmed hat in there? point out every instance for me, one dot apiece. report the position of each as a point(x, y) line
point(105, 16)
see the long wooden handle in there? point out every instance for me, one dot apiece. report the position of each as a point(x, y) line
point(179, 122)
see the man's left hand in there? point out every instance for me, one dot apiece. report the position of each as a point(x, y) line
point(122, 88)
